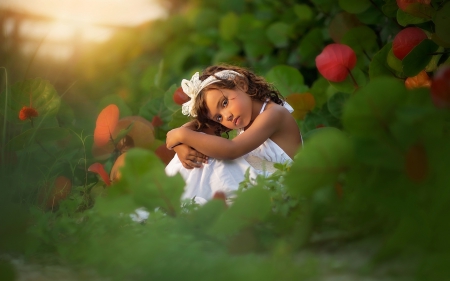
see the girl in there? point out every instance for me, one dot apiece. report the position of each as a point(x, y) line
point(224, 98)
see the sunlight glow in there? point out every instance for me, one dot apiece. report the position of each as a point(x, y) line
point(76, 22)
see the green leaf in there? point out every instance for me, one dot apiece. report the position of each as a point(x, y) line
point(287, 80)
point(404, 19)
point(323, 157)
point(313, 132)
point(178, 119)
point(319, 91)
point(372, 107)
point(371, 16)
point(250, 207)
point(303, 12)
point(348, 85)
point(232, 5)
point(169, 103)
point(415, 122)
point(442, 23)
point(312, 120)
point(434, 62)
point(124, 109)
point(336, 103)
point(229, 25)
point(278, 33)
point(156, 107)
point(227, 50)
point(421, 10)
point(37, 93)
point(311, 46)
point(34, 136)
point(393, 62)
point(390, 8)
point(205, 18)
point(379, 66)
point(378, 152)
point(362, 40)
point(257, 44)
point(419, 57)
point(148, 80)
point(144, 184)
point(354, 6)
point(207, 214)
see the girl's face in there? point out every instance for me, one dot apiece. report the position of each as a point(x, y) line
point(231, 108)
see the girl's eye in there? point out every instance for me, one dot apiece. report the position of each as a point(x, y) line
point(219, 118)
point(224, 102)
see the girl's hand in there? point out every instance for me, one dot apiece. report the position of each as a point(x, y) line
point(189, 157)
point(172, 138)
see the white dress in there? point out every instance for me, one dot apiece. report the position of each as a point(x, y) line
point(225, 175)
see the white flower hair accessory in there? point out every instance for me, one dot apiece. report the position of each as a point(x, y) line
point(194, 86)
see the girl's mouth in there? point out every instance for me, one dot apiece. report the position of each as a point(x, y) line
point(236, 121)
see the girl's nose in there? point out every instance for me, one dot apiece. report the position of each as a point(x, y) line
point(230, 117)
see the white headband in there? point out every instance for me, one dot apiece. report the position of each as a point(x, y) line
point(194, 86)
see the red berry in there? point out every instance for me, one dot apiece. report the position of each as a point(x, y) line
point(27, 113)
point(179, 97)
point(440, 87)
point(335, 62)
point(157, 121)
point(220, 195)
point(406, 40)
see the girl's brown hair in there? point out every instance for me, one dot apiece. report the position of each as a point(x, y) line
point(256, 87)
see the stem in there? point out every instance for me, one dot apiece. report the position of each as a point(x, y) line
point(367, 55)
point(171, 210)
point(4, 118)
point(353, 79)
point(45, 150)
point(440, 53)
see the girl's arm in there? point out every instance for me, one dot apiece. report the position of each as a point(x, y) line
point(263, 127)
point(189, 157)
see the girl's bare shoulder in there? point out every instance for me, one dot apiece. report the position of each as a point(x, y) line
point(275, 108)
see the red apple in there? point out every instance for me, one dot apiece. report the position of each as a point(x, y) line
point(402, 4)
point(440, 87)
point(406, 40)
point(179, 97)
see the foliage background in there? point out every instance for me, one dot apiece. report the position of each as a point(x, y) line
point(377, 172)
